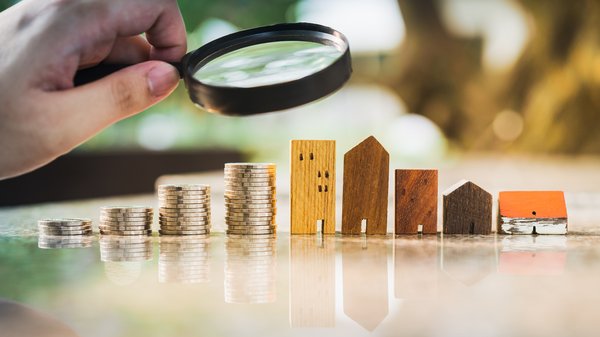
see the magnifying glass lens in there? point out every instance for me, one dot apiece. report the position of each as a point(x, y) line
point(268, 63)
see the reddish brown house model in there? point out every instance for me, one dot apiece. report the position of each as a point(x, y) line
point(365, 195)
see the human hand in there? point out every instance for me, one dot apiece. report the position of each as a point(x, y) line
point(44, 43)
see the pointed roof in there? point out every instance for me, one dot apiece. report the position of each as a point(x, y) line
point(461, 185)
point(367, 143)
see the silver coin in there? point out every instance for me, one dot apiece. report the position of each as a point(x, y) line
point(126, 223)
point(250, 172)
point(184, 232)
point(238, 225)
point(246, 181)
point(171, 194)
point(124, 217)
point(185, 206)
point(248, 175)
point(184, 210)
point(66, 233)
point(125, 227)
point(250, 199)
point(249, 188)
point(184, 218)
point(245, 232)
point(237, 202)
point(183, 187)
point(64, 222)
point(249, 164)
point(65, 228)
point(229, 182)
point(166, 196)
point(230, 193)
point(164, 225)
point(134, 232)
point(178, 203)
point(250, 222)
point(253, 217)
point(250, 212)
point(251, 227)
point(249, 205)
point(185, 228)
point(126, 209)
point(185, 195)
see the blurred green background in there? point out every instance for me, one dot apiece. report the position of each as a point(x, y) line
point(432, 78)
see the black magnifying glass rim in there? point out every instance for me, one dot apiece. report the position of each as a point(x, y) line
point(241, 101)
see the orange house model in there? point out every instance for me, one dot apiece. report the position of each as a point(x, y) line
point(532, 212)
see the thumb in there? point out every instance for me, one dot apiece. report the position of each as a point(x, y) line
point(85, 110)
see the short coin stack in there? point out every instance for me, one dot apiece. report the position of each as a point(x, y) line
point(65, 227)
point(126, 220)
point(184, 209)
point(250, 199)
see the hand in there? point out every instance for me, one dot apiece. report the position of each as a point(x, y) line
point(44, 43)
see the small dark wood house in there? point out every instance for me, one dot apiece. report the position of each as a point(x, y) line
point(467, 209)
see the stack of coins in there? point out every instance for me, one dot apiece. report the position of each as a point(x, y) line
point(126, 221)
point(183, 260)
point(250, 269)
point(184, 209)
point(250, 199)
point(125, 249)
point(64, 227)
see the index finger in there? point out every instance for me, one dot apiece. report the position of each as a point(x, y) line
point(161, 21)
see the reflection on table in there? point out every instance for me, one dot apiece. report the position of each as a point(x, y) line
point(183, 259)
point(250, 269)
point(365, 280)
point(123, 257)
point(312, 281)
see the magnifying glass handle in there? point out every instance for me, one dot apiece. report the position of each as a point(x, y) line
point(101, 70)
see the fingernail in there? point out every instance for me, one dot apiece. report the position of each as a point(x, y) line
point(162, 79)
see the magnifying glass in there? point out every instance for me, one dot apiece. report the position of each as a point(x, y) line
point(259, 70)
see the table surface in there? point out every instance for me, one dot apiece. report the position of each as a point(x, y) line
point(302, 285)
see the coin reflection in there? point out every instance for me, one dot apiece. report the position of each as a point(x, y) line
point(312, 281)
point(58, 242)
point(250, 269)
point(124, 257)
point(183, 259)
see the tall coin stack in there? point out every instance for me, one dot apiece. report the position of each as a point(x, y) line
point(184, 209)
point(65, 227)
point(250, 199)
point(126, 221)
